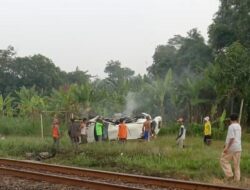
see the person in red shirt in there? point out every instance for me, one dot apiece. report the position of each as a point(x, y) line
point(55, 134)
point(122, 131)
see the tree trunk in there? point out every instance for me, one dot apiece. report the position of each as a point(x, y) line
point(241, 108)
point(162, 112)
point(232, 105)
point(190, 112)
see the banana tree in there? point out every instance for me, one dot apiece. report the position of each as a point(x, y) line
point(6, 105)
point(189, 94)
point(161, 88)
point(30, 103)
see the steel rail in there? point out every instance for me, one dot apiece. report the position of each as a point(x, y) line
point(155, 181)
point(38, 176)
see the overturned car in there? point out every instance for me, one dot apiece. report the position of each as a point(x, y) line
point(134, 125)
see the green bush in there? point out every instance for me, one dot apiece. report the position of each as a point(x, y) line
point(195, 129)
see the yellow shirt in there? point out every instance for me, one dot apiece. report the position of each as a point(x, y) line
point(207, 128)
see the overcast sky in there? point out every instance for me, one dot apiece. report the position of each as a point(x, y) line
point(89, 33)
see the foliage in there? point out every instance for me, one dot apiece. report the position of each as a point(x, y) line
point(233, 72)
point(230, 24)
point(6, 105)
point(188, 78)
point(36, 70)
point(30, 103)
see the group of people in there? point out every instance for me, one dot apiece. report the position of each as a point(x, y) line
point(122, 134)
point(232, 148)
point(182, 132)
point(76, 131)
point(231, 152)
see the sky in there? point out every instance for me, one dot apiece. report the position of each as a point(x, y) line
point(89, 33)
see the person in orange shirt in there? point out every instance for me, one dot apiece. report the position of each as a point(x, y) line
point(55, 134)
point(122, 131)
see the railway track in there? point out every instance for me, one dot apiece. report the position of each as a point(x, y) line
point(96, 179)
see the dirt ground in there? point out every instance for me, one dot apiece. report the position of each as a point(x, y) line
point(13, 183)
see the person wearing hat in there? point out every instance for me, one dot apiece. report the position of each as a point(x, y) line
point(207, 131)
point(182, 133)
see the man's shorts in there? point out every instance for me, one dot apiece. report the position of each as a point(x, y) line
point(146, 135)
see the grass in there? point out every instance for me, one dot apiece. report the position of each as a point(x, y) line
point(24, 126)
point(160, 157)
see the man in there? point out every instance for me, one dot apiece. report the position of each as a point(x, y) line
point(98, 130)
point(146, 129)
point(74, 132)
point(55, 134)
point(122, 131)
point(232, 149)
point(182, 133)
point(83, 127)
point(207, 131)
point(153, 126)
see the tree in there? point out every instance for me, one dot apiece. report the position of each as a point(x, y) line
point(78, 77)
point(116, 72)
point(186, 56)
point(36, 70)
point(233, 73)
point(153, 96)
point(164, 59)
point(193, 55)
point(6, 105)
point(189, 94)
point(7, 80)
point(230, 24)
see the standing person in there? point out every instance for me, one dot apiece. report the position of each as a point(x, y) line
point(182, 133)
point(153, 126)
point(83, 127)
point(122, 131)
point(74, 133)
point(232, 149)
point(98, 130)
point(146, 129)
point(55, 134)
point(207, 131)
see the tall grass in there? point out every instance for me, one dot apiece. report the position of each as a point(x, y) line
point(24, 126)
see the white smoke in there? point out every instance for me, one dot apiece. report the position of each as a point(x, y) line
point(131, 104)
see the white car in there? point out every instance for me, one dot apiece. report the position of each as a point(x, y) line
point(134, 128)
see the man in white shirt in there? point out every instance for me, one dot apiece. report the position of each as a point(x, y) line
point(232, 149)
